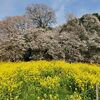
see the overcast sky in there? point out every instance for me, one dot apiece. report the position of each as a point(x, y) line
point(78, 7)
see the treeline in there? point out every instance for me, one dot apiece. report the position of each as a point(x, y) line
point(32, 37)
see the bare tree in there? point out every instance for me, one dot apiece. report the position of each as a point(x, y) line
point(41, 15)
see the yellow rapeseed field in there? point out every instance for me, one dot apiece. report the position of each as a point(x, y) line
point(48, 80)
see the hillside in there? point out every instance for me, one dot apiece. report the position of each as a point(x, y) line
point(43, 80)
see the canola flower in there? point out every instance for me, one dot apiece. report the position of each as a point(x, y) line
point(48, 80)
